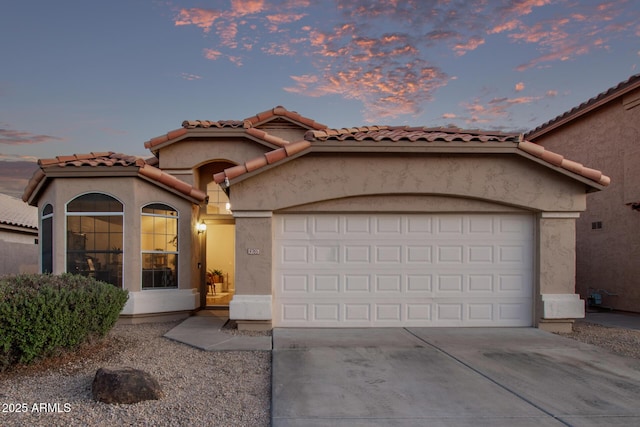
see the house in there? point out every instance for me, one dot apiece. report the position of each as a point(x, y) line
point(604, 132)
point(18, 236)
point(318, 227)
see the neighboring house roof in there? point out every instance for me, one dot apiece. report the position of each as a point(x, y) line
point(438, 139)
point(114, 163)
point(16, 213)
point(248, 126)
point(607, 96)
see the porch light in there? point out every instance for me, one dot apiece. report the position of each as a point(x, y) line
point(228, 206)
point(201, 227)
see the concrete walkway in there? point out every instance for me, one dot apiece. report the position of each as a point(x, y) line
point(448, 377)
point(205, 331)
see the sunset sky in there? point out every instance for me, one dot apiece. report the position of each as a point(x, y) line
point(80, 76)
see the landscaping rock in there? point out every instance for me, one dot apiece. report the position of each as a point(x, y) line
point(124, 385)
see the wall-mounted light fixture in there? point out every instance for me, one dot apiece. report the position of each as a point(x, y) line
point(228, 206)
point(201, 227)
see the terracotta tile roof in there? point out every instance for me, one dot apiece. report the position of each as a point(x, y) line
point(559, 161)
point(267, 158)
point(610, 94)
point(412, 134)
point(406, 133)
point(249, 124)
point(111, 159)
point(16, 213)
point(280, 111)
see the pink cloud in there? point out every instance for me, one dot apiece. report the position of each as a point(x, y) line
point(496, 109)
point(15, 172)
point(247, 7)
point(283, 18)
point(15, 137)
point(212, 54)
point(202, 18)
point(381, 53)
point(471, 44)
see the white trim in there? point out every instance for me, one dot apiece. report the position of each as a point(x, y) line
point(161, 301)
point(560, 215)
point(250, 307)
point(252, 214)
point(562, 306)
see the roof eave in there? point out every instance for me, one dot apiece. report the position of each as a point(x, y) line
point(171, 190)
point(569, 116)
point(592, 186)
point(404, 147)
point(217, 133)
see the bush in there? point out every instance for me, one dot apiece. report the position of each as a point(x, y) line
point(43, 313)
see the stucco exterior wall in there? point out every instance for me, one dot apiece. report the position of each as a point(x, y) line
point(189, 154)
point(607, 139)
point(134, 193)
point(506, 179)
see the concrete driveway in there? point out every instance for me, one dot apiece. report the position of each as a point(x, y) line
point(448, 377)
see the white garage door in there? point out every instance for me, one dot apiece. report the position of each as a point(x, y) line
point(353, 270)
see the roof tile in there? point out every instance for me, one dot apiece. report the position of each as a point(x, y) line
point(275, 155)
point(283, 112)
point(256, 163)
point(110, 159)
point(235, 171)
point(558, 160)
point(267, 137)
point(412, 134)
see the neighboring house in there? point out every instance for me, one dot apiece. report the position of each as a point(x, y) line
point(18, 236)
point(317, 227)
point(604, 132)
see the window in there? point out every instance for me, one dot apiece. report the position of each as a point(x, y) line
point(46, 234)
point(159, 242)
point(218, 200)
point(94, 237)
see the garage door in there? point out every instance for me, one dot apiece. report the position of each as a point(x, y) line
point(354, 270)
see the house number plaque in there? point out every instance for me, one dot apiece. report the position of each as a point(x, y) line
point(253, 251)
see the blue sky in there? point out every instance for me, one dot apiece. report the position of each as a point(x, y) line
point(80, 76)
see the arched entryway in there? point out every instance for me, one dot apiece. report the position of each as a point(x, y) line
point(218, 241)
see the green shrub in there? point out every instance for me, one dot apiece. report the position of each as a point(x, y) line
point(42, 313)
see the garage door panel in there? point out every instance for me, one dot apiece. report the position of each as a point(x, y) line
point(315, 283)
point(396, 270)
point(399, 313)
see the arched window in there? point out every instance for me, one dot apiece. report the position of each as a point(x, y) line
point(46, 239)
point(159, 243)
point(94, 237)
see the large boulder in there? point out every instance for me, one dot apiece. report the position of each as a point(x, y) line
point(124, 385)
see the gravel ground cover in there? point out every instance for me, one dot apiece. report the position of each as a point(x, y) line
point(201, 388)
point(624, 342)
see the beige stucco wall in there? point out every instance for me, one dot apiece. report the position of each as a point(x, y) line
point(189, 154)
point(133, 193)
point(504, 179)
point(607, 139)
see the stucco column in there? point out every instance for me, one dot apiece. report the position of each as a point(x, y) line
point(252, 300)
point(557, 304)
